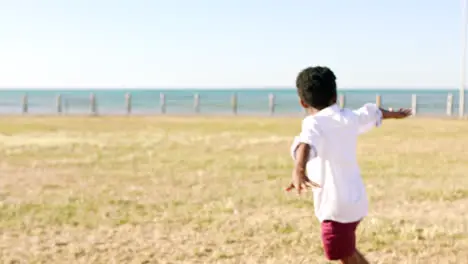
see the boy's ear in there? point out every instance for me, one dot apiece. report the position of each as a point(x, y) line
point(303, 104)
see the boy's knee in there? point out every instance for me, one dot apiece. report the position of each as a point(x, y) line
point(355, 258)
point(352, 259)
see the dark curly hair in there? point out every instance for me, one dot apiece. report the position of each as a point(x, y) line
point(316, 87)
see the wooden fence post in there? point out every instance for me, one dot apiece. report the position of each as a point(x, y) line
point(378, 100)
point(24, 104)
point(234, 103)
point(342, 101)
point(58, 104)
point(449, 104)
point(196, 103)
point(414, 104)
point(128, 103)
point(65, 106)
point(162, 102)
point(92, 101)
point(271, 103)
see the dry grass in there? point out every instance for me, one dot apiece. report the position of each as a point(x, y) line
point(210, 190)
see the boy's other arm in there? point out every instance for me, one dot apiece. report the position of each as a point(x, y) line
point(300, 181)
point(370, 116)
point(402, 113)
point(303, 149)
point(302, 156)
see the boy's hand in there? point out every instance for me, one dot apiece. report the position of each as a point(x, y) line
point(401, 113)
point(300, 182)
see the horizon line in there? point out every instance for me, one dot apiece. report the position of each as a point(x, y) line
point(223, 88)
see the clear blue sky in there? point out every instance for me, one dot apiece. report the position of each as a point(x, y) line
point(237, 43)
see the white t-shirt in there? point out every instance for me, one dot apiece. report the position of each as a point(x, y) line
point(332, 135)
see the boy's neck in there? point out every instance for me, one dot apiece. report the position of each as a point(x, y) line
point(314, 111)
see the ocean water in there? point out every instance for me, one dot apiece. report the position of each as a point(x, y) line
point(249, 101)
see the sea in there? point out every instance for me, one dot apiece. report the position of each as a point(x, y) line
point(211, 101)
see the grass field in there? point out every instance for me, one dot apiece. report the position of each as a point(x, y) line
point(210, 190)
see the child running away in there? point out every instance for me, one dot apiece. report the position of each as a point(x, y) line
point(326, 150)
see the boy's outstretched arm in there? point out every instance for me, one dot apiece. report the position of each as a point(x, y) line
point(299, 179)
point(402, 113)
point(304, 147)
point(370, 116)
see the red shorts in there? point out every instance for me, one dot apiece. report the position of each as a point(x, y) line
point(339, 239)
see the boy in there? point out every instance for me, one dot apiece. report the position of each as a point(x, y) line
point(326, 150)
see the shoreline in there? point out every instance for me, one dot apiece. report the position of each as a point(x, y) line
point(200, 115)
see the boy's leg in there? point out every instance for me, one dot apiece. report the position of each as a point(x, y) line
point(339, 242)
point(353, 259)
point(356, 258)
point(361, 258)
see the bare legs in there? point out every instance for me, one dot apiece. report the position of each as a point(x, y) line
point(356, 258)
